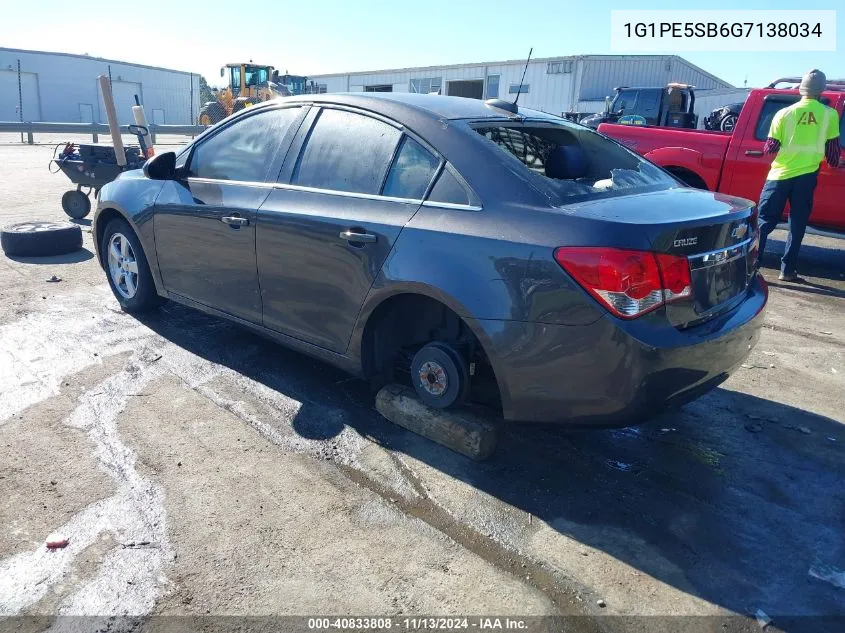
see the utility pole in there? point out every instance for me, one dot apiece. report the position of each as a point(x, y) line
point(20, 98)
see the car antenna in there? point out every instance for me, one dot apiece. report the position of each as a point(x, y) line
point(519, 90)
point(502, 104)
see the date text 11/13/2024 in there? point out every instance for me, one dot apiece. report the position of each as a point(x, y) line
point(418, 624)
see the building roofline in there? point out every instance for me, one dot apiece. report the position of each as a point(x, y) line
point(96, 59)
point(703, 72)
point(505, 63)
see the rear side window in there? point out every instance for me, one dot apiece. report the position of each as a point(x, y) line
point(244, 150)
point(411, 172)
point(346, 152)
point(448, 189)
point(563, 160)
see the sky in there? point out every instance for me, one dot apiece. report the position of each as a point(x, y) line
point(329, 36)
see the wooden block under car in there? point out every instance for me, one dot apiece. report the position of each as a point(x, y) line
point(460, 430)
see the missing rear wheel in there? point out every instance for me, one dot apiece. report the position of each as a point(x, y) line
point(440, 375)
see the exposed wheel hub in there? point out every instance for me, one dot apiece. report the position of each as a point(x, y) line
point(433, 378)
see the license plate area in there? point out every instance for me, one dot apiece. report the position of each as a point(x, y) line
point(719, 276)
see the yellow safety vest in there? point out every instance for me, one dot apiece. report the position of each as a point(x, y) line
point(802, 129)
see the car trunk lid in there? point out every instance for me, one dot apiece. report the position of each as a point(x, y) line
point(717, 234)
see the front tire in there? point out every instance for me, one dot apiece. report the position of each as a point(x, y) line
point(127, 269)
point(440, 376)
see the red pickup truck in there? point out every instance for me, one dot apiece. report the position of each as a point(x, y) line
point(733, 162)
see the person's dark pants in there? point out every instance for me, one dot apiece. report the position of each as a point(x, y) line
point(798, 192)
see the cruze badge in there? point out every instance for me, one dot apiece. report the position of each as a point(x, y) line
point(740, 231)
point(687, 241)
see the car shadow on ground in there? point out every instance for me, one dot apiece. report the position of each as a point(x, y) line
point(82, 255)
point(732, 499)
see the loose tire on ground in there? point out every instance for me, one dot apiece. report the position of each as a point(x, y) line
point(123, 257)
point(76, 204)
point(40, 238)
point(440, 376)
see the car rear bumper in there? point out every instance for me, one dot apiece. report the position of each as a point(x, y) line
point(613, 372)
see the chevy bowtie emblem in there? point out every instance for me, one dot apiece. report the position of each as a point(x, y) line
point(740, 231)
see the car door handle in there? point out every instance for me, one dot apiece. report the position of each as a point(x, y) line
point(234, 221)
point(352, 236)
point(753, 152)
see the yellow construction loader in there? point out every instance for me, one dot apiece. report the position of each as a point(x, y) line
point(249, 84)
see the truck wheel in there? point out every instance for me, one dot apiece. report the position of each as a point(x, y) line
point(440, 375)
point(40, 239)
point(728, 123)
point(76, 204)
point(212, 113)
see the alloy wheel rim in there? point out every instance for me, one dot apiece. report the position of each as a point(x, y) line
point(123, 266)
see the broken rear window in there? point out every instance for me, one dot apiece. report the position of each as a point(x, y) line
point(566, 161)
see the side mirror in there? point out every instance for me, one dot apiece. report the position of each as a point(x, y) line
point(161, 167)
point(222, 72)
point(607, 102)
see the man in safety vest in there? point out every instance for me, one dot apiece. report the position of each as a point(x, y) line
point(801, 135)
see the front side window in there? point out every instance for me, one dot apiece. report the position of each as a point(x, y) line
point(625, 101)
point(346, 151)
point(770, 108)
point(566, 161)
point(411, 172)
point(244, 150)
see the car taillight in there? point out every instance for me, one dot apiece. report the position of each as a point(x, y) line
point(629, 283)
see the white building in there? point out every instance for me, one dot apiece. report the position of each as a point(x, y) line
point(59, 87)
point(552, 84)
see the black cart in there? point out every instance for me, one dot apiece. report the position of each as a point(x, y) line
point(90, 167)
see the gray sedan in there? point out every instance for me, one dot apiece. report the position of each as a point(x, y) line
point(473, 251)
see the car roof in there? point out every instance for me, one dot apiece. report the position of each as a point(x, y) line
point(435, 106)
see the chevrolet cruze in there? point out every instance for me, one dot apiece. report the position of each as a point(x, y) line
point(476, 251)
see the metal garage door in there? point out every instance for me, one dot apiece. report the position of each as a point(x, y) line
point(124, 98)
point(9, 96)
